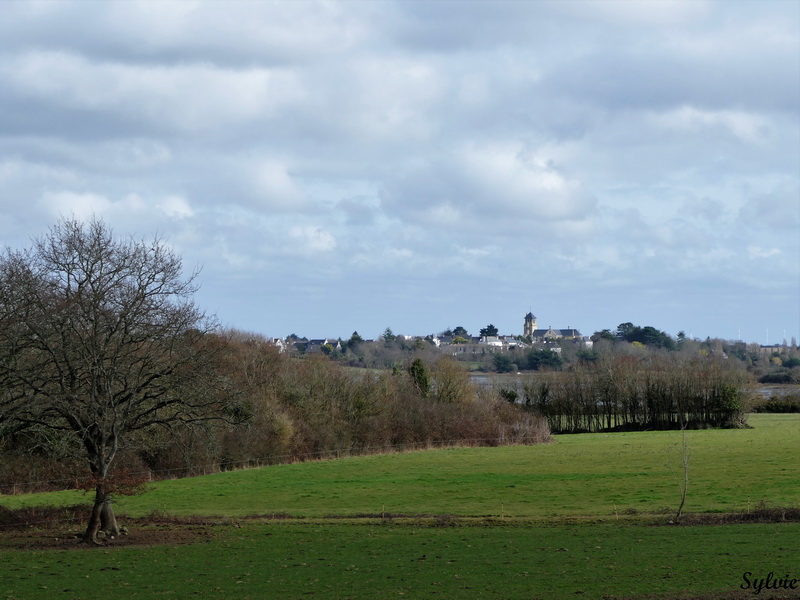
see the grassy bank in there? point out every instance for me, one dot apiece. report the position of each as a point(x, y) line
point(577, 475)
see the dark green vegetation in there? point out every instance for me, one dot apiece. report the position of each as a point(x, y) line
point(787, 403)
point(489, 330)
point(647, 336)
point(532, 360)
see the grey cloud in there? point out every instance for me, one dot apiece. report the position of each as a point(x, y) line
point(173, 33)
point(776, 211)
point(443, 27)
point(359, 212)
point(634, 79)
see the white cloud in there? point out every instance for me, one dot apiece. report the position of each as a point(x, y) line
point(748, 127)
point(393, 98)
point(758, 252)
point(443, 215)
point(272, 186)
point(507, 177)
point(131, 210)
point(311, 239)
point(176, 207)
point(82, 206)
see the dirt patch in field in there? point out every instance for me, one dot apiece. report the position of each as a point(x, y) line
point(760, 514)
point(69, 539)
point(61, 528)
point(57, 528)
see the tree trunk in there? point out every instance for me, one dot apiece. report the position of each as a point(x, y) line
point(102, 517)
point(108, 522)
point(95, 520)
point(684, 485)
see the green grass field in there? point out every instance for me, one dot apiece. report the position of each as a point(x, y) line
point(360, 561)
point(543, 524)
point(577, 475)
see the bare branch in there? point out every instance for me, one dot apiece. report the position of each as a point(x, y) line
point(101, 337)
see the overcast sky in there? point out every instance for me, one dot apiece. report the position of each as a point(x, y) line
point(356, 165)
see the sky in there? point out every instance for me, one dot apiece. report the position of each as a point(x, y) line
point(341, 166)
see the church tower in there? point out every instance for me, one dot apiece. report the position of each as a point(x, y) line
point(530, 325)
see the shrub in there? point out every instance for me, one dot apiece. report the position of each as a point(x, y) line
point(775, 404)
point(779, 377)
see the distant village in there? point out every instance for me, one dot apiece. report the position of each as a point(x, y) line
point(456, 342)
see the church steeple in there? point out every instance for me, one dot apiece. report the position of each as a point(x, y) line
point(530, 325)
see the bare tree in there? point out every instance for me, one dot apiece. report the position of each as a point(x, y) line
point(683, 484)
point(101, 339)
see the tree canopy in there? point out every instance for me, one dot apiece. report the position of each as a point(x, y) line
point(489, 331)
point(503, 363)
point(649, 336)
point(537, 360)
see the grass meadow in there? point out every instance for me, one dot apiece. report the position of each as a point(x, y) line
point(349, 560)
point(585, 516)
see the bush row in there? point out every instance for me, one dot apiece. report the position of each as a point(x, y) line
point(637, 393)
point(777, 404)
point(294, 409)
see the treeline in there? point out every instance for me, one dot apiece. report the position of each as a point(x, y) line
point(789, 403)
point(625, 392)
point(777, 364)
point(291, 410)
